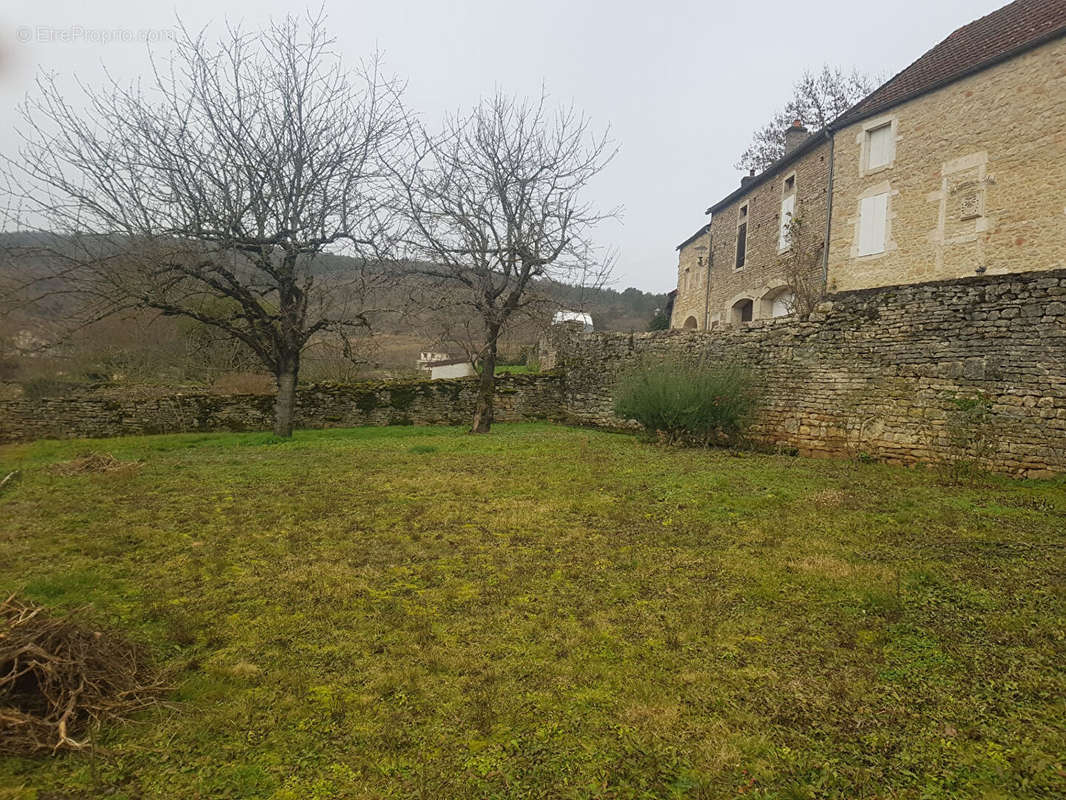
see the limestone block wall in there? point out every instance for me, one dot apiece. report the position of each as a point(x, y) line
point(975, 185)
point(876, 371)
point(421, 402)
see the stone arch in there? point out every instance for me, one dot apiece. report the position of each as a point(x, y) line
point(742, 310)
point(690, 324)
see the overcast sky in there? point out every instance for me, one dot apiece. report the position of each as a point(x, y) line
point(681, 83)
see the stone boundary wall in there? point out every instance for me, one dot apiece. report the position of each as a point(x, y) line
point(875, 371)
point(417, 402)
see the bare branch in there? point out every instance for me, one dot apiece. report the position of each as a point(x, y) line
point(212, 190)
point(496, 203)
point(817, 99)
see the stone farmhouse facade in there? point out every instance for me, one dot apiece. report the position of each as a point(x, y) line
point(753, 254)
point(954, 167)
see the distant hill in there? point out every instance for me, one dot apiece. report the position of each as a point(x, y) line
point(142, 347)
point(611, 309)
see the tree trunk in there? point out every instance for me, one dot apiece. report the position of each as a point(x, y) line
point(285, 404)
point(486, 389)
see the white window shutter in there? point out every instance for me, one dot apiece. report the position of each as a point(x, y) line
point(873, 219)
point(788, 205)
point(881, 147)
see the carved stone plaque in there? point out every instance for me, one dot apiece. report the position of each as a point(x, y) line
point(969, 205)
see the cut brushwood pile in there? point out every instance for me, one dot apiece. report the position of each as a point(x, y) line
point(93, 462)
point(60, 679)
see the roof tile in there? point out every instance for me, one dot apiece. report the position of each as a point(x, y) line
point(983, 42)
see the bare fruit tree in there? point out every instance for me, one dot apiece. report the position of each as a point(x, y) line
point(446, 316)
point(212, 192)
point(817, 99)
point(496, 204)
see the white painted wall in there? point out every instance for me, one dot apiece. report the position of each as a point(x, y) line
point(460, 370)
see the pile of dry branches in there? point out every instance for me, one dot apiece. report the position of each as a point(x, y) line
point(93, 462)
point(59, 678)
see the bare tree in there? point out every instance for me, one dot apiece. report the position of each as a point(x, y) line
point(211, 192)
point(817, 99)
point(445, 314)
point(495, 204)
point(802, 265)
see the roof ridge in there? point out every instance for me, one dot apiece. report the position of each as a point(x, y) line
point(1003, 33)
point(1000, 34)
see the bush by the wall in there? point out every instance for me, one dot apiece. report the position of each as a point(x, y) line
point(687, 402)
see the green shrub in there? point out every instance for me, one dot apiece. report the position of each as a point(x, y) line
point(683, 402)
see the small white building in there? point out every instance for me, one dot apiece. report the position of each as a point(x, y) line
point(450, 368)
point(574, 318)
point(427, 357)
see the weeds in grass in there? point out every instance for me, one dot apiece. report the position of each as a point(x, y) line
point(549, 612)
point(972, 438)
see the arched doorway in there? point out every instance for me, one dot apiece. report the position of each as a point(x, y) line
point(690, 324)
point(741, 311)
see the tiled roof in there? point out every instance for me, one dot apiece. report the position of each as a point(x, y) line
point(986, 41)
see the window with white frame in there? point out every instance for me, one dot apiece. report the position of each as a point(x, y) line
point(880, 146)
point(873, 224)
point(788, 208)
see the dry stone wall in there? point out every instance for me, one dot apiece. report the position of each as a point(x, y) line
point(420, 402)
point(875, 371)
point(878, 371)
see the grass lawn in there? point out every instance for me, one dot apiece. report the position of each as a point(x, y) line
point(546, 612)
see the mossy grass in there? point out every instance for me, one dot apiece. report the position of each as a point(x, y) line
point(549, 612)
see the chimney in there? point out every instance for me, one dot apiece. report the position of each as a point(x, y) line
point(795, 134)
point(746, 179)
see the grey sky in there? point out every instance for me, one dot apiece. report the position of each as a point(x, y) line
point(681, 83)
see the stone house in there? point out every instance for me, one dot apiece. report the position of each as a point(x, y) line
point(693, 265)
point(755, 265)
point(578, 320)
point(956, 166)
point(953, 167)
point(426, 357)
